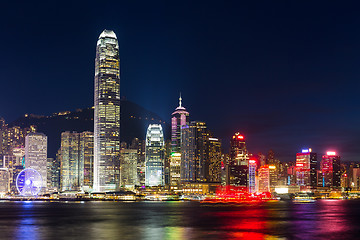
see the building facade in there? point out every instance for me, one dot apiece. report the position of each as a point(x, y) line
point(179, 119)
point(252, 175)
point(76, 161)
point(264, 178)
point(154, 156)
point(237, 167)
point(330, 168)
point(107, 113)
point(128, 170)
point(238, 151)
point(36, 155)
point(86, 175)
point(70, 161)
point(306, 163)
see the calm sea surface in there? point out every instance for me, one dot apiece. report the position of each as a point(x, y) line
point(324, 219)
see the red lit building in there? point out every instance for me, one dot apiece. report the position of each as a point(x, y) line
point(238, 152)
point(330, 167)
point(264, 178)
point(306, 162)
point(237, 167)
point(252, 173)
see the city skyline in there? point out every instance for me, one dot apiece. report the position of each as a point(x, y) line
point(285, 88)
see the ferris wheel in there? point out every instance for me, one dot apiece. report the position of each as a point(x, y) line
point(29, 182)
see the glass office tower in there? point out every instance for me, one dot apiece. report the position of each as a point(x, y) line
point(154, 156)
point(107, 113)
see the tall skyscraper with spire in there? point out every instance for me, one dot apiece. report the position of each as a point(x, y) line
point(179, 119)
point(107, 113)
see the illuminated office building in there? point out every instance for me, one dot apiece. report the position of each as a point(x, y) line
point(12, 138)
point(70, 161)
point(188, 165)
point(264, 179)
point(76, 161)
point(36, 155)
point(175, 169)
point(201, 136)
point(200, 154)
point(179, 119)
point(237, 167)
point(128, 170)
point(167, 162)
point(86, 174)
point(237, 175)
point(4, 181)
point(107, 113)
point(252, 174)
point(214, 155)
point(273, 177)
point(291, 175)
point(355, 181)
point(238, 151)
point(139, 146)
point(154, 156)
point(330, 167)
point(306, 162)
point(18, 165)
point(271, 160)
point(53, 169)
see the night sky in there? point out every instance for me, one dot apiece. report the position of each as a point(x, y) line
point(285, 74)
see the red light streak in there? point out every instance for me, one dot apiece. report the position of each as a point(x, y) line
point(232, 194)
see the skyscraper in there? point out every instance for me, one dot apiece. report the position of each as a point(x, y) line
point(200, 154)
point(107, 113)
point(237, 168)
point(330, 167)
point(188, 165)
point(306, 162)
point(179, 119)
point(76, 161)
point(252, 173)
point(87, 160)
point(128, 170)
point(139, 146)
point(36, 155)
point(264, 179)
point(238, 152)
point(214, 155)
point(154, 156)
point(70, 161)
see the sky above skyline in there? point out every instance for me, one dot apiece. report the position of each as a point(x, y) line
point(284, 74)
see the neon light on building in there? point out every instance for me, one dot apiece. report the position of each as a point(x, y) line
point(306, 163)
point(252, 172)
point(330, 167)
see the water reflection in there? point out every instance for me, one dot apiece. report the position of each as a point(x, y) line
point(332, 219)
point(179, 220)
point(27, 227)
point(304, 220)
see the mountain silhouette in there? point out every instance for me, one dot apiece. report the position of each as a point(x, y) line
point(134, 121)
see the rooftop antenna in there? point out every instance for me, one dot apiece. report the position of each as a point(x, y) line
point(180, 100)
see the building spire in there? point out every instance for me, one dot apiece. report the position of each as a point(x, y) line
point(180, 100)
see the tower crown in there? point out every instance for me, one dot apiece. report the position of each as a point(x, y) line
point(108, 34)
